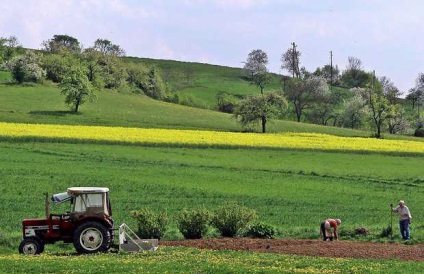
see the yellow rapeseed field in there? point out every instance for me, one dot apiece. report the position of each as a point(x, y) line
point(207, 138)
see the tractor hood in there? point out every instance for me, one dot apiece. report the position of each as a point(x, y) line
point(61, 198)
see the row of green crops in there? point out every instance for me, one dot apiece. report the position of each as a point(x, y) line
point(200, 138)
point(183, 260)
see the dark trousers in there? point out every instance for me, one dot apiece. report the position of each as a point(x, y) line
point(404, 229)
point(324, 236)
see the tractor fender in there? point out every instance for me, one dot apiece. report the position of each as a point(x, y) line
point(108, 223)
point(105, 221)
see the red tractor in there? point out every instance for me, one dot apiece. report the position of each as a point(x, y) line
point(89, 225)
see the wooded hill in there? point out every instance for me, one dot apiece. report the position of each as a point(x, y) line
point(104, 69)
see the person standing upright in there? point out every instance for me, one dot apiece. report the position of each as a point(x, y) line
point(404, 218)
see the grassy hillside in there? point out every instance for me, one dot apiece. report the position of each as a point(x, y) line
point(45, 104)
point(5, 76)
point(202, 82)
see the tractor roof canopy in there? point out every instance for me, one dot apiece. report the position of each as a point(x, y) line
point(74, 191)
point(86, 190)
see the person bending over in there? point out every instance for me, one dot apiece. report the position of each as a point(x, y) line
point(329, 229)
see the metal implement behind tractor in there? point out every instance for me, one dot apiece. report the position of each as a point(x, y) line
point(88, 225)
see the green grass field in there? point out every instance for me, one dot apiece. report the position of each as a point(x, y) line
point(184, 260)
point(292, 190)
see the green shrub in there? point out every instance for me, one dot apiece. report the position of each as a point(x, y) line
point(231, 219)
point(225, 101)
point(419, 132)
point(386, 232)
point(194, 224)
point(261, 230)
point(150, 224)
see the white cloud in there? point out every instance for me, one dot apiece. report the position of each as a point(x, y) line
point(245, 4)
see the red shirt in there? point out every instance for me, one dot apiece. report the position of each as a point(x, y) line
point(333, 224)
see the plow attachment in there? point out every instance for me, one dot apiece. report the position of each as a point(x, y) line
point(130, 242)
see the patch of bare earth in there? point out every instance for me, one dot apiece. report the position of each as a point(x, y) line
point(316, 248)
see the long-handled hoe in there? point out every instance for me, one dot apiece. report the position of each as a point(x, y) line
point(391, 221)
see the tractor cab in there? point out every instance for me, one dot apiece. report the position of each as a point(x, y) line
point(85, 201)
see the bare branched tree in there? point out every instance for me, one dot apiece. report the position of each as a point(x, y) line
point(255, 68)
point(390, 91)
point(256, 63)
point(291, 61)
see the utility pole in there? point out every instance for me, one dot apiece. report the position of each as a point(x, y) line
point(373, 80)
point(331, 69)
point(294, 57)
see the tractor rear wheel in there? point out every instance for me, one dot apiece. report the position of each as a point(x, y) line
point(91, 237)
point(31, 246)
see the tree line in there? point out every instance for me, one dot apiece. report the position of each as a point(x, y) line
point(317, 97)
point(80, 72)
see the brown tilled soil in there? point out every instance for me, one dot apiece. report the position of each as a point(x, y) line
point(317, 248)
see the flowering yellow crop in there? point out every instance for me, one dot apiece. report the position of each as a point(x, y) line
point(208, 138)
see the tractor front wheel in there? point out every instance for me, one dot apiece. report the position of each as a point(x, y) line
point(31, 246)
point(91, 237)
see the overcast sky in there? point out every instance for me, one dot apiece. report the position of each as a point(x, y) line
point(387, 35)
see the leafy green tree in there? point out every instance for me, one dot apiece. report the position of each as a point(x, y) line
point(104, 56)
point(154, 87)
point(26, 67)
point(354, 113)
point(77, 88)
point(360, 80)
point(148, 80)
point(57, 65)
point(324, 112)
point(61, 43)
point(326, 72)
point(90, 60)
point(106, 47)
point(115, 74)
point(257, 73)
point(396, 120)
point(303, 94)
point(354, 76)
point(261, 107)
point(136, 75)
point(8, 48)
point(379, 107)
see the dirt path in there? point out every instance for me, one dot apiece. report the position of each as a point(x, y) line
point(339, 249)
